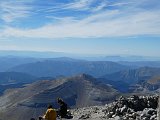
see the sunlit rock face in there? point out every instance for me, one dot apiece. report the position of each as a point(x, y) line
point(131, 108)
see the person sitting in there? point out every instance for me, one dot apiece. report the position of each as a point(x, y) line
point(62, 112)
point(50, 114)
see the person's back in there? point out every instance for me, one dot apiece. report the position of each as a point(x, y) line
point(50, 114)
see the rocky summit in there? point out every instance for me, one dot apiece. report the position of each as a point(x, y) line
point(131, 108)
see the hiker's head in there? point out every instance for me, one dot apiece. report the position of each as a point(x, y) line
point(49, 106)
point(59, 100)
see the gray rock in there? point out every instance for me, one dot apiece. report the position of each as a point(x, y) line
point(131, 108)
point(86, 116)
point(154, 117)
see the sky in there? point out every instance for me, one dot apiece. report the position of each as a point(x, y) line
point(108, 27)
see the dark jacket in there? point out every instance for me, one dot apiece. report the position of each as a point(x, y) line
point(63, 109)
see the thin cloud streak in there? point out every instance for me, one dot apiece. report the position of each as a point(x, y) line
point(79, 5)
point(100, 22)
point(100, 7)
point(100, 25)
point(11, 11)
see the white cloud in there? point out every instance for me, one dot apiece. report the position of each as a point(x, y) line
point(8, 47)
point(13, 10)
point(101, 6)
point(105, 24)
point(121, 4)
point(86, 5)
point(75, 5)
point(79, 5)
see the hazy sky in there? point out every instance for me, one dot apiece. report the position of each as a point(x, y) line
point(108, 27)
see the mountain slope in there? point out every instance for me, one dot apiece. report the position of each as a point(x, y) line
point(152, 84)
point(134, 75)
point(31, 101)
point(8, 62)
point(129, 80)
point(155, 64)
point(56, 68)
point(15, 77)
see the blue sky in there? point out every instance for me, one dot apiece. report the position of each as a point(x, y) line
point(109, 27)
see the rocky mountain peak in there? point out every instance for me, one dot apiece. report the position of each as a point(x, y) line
point(130, 108)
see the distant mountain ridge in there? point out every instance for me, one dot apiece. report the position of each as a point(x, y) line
point(67, 68)
point(15, 77)
point(8, 62)
point(134, 79)
point(36, 54)
point(90, 57)
point(137, 64)
point(134, 75)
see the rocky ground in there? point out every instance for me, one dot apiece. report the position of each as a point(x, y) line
point(131, 108)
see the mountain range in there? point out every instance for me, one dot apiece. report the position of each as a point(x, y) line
point(137, 64)
point(89, 57)
point(31, 100)
point(15, 77)
point(141, 77)
point(67, 68)
point(27, 85)
point(121, 75)
point(7, 62)
point(133, 76)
